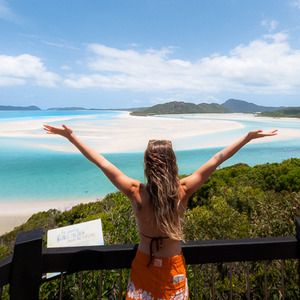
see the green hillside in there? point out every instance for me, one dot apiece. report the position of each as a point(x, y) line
point(241, 106)
point(176, 107)
point(229, 106)
point(290, 112)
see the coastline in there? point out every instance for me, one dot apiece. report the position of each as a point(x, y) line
point(15, 213)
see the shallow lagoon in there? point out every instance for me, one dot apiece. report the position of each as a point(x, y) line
point(29, 172)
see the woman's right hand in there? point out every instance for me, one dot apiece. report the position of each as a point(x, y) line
point(64, 131)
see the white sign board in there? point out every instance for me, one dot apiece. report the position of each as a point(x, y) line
point(82, 234)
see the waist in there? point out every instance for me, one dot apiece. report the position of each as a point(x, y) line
point(167, 247)
point(159, 261)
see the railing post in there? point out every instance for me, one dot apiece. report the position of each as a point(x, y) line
point(297, 221)
point(298, 228)
point(26, 269)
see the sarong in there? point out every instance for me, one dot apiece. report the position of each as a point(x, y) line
point(164, 279)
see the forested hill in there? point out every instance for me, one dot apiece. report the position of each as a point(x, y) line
point(290, 112)
point(229, 106)
point(10, 107)
point(242, 106)
point(176, 107)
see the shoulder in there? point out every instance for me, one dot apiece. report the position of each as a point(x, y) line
point(138, 195)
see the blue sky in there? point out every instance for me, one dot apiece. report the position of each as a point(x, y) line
point(110, 54)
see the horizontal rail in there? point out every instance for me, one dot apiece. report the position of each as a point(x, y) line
point(23, 271)
point(72, 259)
point(195, 252)
point(255, 249)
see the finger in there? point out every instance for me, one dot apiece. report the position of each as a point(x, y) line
point(66, 127)
point(49, 132)
point(272, 132)
point(48, 127)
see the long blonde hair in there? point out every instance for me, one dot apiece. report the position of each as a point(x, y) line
point(161, 172)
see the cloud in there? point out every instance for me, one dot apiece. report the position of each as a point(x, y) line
point(270, 25)
point(65, 67)
point(25, 69)
point(263, 66)
point(296, 3)
point(60, 44)
point(6, 13)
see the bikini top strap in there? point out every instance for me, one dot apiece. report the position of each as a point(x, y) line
point(158, 243)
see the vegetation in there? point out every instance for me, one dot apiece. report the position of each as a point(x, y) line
point(292, 112)
point(229, 106)
point(241, 106)
point(180, 108)
point(236, 202)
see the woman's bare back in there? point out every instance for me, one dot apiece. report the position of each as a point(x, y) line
point(151, 237)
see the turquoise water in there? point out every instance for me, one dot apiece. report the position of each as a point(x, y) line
point(41, 174)
point(30, 115)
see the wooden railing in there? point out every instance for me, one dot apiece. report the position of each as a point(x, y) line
point(24, 269)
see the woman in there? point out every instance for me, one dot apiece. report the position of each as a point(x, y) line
point(158, 270)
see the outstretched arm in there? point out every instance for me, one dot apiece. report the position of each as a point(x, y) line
point(124, 183)
point(193, 182)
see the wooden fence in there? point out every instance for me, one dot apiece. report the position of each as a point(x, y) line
point(24, 269)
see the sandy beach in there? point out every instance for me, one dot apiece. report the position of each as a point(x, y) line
point(13, 214)
point(125, 133)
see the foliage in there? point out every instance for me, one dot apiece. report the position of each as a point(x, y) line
point(179, 107)
point(241, 106)
point(291, 112)
point(218, 220)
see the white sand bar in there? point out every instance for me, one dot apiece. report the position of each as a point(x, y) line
point(13, 214)
point(131, 133)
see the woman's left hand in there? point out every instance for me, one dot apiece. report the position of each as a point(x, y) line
point(260, 133)
point(64, 131)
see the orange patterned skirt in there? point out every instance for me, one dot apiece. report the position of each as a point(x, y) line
point(164, 279)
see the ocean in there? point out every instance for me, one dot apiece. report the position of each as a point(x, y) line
point(29, 170)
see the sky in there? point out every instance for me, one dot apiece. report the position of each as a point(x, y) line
point(135, 53)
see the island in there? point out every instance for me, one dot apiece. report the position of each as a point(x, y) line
point(180, 107)
point(10, 107)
